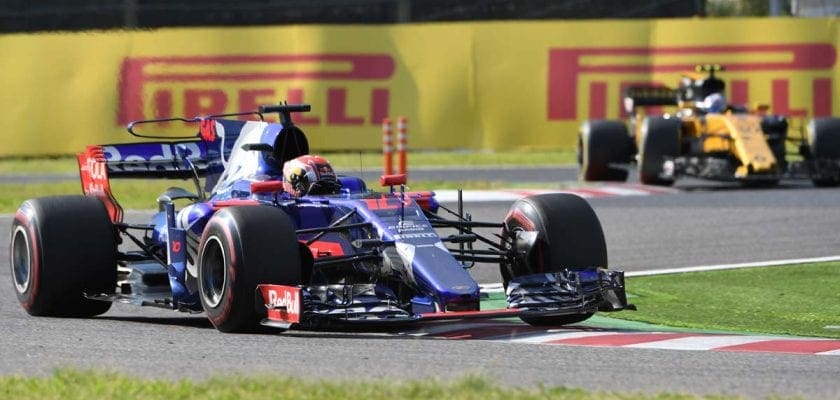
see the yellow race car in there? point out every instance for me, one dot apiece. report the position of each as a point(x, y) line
point(705, 137)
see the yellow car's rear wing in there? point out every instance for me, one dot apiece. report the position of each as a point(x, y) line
point(647, 96)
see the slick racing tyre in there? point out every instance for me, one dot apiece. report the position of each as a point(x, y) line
point(660, 140)
point(824, 139)
point(569, 236)
point(240, 248)
point(601, 145)
point(63, 248)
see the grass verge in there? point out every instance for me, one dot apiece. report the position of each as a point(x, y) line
point(71, 384)
point(798, 299)
point(343, 161)
point(141, 194)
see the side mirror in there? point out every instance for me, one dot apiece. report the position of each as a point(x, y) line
point(257, 147)
point(392, 180)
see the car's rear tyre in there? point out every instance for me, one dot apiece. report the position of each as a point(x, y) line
point(601, 145)
point(569, 236)
point(62, 248)
point(240, 248)
point(824, 139)
point(660, 140)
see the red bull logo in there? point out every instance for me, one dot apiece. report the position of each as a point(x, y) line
point(604, 72)
point(165, 87)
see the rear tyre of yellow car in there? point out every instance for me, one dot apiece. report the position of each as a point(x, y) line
point(659, 141)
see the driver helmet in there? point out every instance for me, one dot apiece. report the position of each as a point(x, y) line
point(714, 103)
point(310, 174)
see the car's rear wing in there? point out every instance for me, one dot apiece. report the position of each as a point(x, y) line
point(648, 96)
point(203, 154)
point(183, 159)
point(200, 156)
point(157, 159)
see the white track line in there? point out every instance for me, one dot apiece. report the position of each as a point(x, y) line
point(497, 287)
point(547, 337)
point(773, 263)
point(477, 196)
point(699, 342)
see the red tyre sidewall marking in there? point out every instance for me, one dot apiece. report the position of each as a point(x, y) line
point(523, 220)
point(529, 225)
point(230, 283)
point(34, 252)
point(224, 226)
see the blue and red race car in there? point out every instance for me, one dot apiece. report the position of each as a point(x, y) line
point(248, 248)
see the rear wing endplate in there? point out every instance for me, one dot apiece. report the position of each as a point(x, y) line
point(94, 175)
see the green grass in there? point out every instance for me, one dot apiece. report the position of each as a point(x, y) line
point(71, 384)
point(11, 195)
point(792, 300)
point(43, 165)
point(132, 194)
point(141, 194)
point(351, 161)
point(344, 160)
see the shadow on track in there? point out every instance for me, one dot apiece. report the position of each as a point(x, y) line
point(191, 322)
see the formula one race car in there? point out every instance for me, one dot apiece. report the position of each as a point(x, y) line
point(705, 138)
point(273, 236)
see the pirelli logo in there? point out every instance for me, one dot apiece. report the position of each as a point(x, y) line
point(163, 87)
point(604, 72)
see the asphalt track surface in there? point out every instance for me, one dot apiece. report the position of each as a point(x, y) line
point(702, 224)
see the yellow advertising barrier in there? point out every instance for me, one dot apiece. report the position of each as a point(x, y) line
point(490, 85)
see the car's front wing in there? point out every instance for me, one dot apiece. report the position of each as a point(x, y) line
point(550, 294)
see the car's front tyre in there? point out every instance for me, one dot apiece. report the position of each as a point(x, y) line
point(240, 248)
point(568, 236)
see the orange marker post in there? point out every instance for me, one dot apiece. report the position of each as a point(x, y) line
point(387, 147)
point(402, 143)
